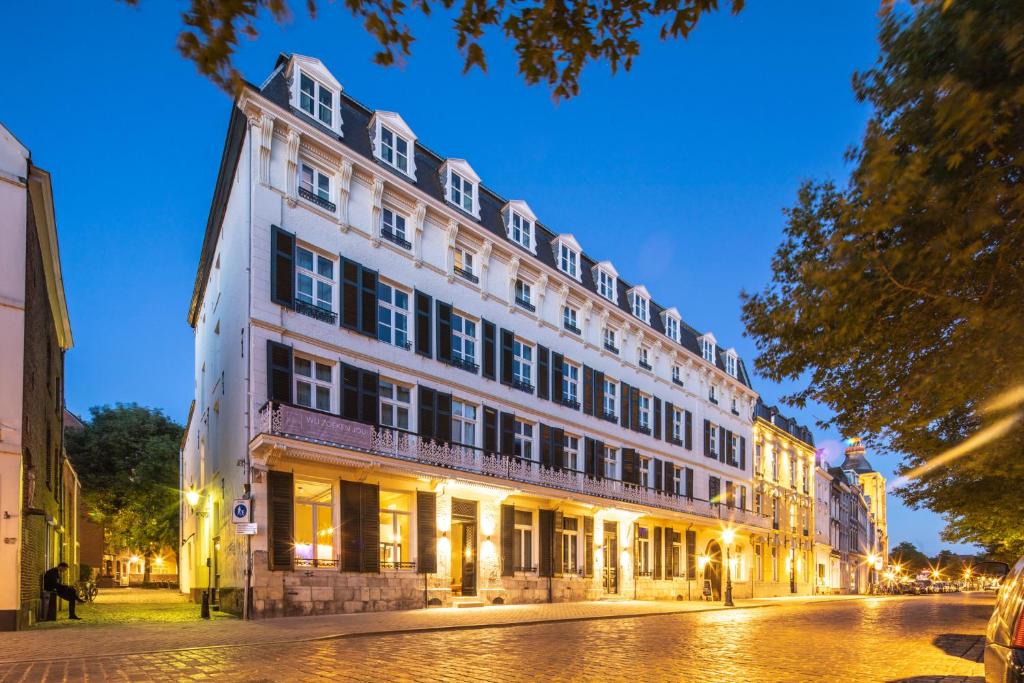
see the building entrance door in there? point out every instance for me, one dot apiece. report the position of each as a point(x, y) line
point(464, 547)
point(713, 569)
point(610, 553)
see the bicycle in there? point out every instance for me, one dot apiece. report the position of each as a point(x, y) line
point(87, 590)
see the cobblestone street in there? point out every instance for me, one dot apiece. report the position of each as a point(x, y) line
point(919, 639)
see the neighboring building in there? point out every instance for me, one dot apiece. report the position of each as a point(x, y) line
point(872, 483)
point(36, 487)
point(784, 471)
point(826, 572)
point(429, 396)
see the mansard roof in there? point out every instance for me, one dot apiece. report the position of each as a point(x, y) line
point(774, 416)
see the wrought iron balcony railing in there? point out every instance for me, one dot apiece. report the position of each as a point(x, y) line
point(678, 382)
point(569, 402)
point(316, 312)
point(395, 238)
point(385, 566)
point(525, 303)
point(645, 365)
point(316, 564)
point(467, 274)
point(572, 328)
point(463, 364)
point(609, 416)
point(611, 347)
point(522, 385)
point(310, 426)
point(317, 199)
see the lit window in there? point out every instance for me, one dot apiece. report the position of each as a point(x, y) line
point(392, 315)
point(522, 363)
point(570, 545)
point(463, 339)
point(643, 551)
point(569, 318)
point(570, 383)
point(314, 184)
point(522, 231)
point(395, 530)
point(571, 451)
point(523, 440)
point(395, 400)
point(314, 528)
point(606, 285)
point(393, 226)
point(610, 337)
point(394, 149)
point(611, 462)
point(461, 191)
point(463, 423)
point(314, 279)
point(313, 383)
point(522, 541)
point(316, 100)
point(640, 307)
point(611, 392)
point(568, 260)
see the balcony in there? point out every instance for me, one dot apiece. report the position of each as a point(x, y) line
point(316, 312)
point(569, 402)
point(463, 364)
point(467, 275)
point(645, 365)
point(395, 238)
point(612, 348)
point(522, 385)
point(310, 426)
point(572, 328)
point(525, 303)
point(609, 417)
point(678, 382)
point(317, 199)
point(644, 429)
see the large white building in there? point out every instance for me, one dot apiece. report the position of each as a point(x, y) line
point(429, 396)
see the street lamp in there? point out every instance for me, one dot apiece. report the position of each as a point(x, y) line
point(192, 497)
point(727, 537)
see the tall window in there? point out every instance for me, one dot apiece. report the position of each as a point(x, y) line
point(461, 192)
point(645, 472)
point(712, 394)
point(677, 374)
point(392, 315)
point(707, 350)
point(713, 440)
point(522, 363)
point(735, 448)
point(570, 545)
point(611, 462)
point(730, 364)
point(672, 328)
point(606, 285)
point(775, 512)
point(394, 149)
point(316, 100)
point(678, 485)
point(392, 224)
point(522, 541)
point(463, 339)
point(568, 260)
point(314, 279)
point(314, 527)
point(314, 182)
point(645, 411)
point(640, 307)
point(571, 451)
point(395, 400)
point(464, 423)
point(569, 318)
point(313, 383)
point(792, 472)
point(758, 462)
point(464, 261)
point(523, 293)
point(524, 440)
point(643, 551)
point(677, 424)
point(522, 231)
point(611, 392)
point(643, 357)
point(775, 466)
point(610, 338)
point(395, 534)
point(570, 383)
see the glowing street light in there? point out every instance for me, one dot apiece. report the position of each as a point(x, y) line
point(192, 497)
point(728, 535)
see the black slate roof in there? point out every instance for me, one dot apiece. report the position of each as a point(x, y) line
point(355, 122)
point(788, 425)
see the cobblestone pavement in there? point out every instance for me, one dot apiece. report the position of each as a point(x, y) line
point(915, 639)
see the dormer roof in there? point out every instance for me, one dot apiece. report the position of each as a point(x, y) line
point(521, 207)
point(393, 121)
point(639, 289)
point(607, 267)
point(462, 167)
point(569, 241)
point(313, 67)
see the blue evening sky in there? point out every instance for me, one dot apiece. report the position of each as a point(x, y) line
point(677, 171)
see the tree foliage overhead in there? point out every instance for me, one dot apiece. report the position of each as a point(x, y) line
point(898, 300)
point(127, 460)
point(553, 40)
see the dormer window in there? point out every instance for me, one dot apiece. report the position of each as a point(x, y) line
point(707, 348)
point(639, 303)
point(316, 100)
point(730, 362)
point(671, 319)
point(394, 149)
point(461, 191)
point(393, 142)
point(462, 186)
point(606, 277)
point(522, 230)
point(519, 220)
point(568, 260)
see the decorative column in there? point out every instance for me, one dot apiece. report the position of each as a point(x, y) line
point(375, 213)
point(513, 275)
point(449, 248)
point(262, 128)
point(563, 297)
point(485, 262)
point(588, 309)
point(419, 216)
point(343, 180)
point(542, 289)
point(292, 181)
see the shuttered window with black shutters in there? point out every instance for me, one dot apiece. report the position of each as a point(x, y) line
point(490, 429)
point(657, 419)
point(279, 372)
point(546, 540)
point(426, 532)
point(543, 373)
point(507, 435)
point(626, 395)
point(489, 364)
point(435, 414)
point(281, 513)
point(670, 423)
point(358, 297)
point(507, 342)
point(588, 390)
point(743, 453)
point(707, 439)
point(551, 446)
point(630, 466)
point(658, 574)
point(360, 394)
point(282, 267)
point(360, 527)
point(557, 372)
point(508, 532)
point(691, 554)
point(588, 546)
point(444, 332)
point(688, 482)
point(688, 429)
point(670, 478)
point(423, 304)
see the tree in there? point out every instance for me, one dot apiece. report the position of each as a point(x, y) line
point(897, 300)
point(127, 460)
point(909, 557)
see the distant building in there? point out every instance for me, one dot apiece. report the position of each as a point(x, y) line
point(38, 490)
point(826, 571)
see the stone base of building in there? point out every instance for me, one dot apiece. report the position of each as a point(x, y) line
point(781, 589)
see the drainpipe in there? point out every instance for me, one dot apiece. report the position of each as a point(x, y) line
point(689, 578)
point(247, 598)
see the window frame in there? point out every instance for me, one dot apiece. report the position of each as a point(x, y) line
point(520, 360)
point(571, 445)
point(611, 462)
point(314, 382)
point(640, 307)
point(609, 338)
point(568, 260)
point(396, 231)
point(456, 191)
point(518, 223)
point(570, 319)
point(406, 543)
point(316, 278)
point(316, 176)
point(570, 549)
point(316, 505)
point(393, 149)
point(522, 542)
point(570, 383)
point(523, 442)
point(602, 276)
point(465, 339)
point(394, 403)
point(461, 422)
point(316, 97)
point(394, 312)
point(610, 398)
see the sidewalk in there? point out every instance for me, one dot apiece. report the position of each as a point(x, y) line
point(85, 639)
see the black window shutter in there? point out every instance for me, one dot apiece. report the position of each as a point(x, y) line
point(280, 492)
point(546, 454)
point(588, 546)
point(546, 541)
point(351, 282)
point(598, 393)
point(730, 494)
point(659, 481)
point(714, 490)
point(368, 302)
point(507, 338)
point(543, 381)
point(489, 367)
point(656, 547)
point(428, 413)
point(624, 404)
point(589, 458)
point(557, 370)
point(508, 434)
point(657, 418)
point(490, 430)
point(670, 477)
point(599, 459)
point(444, 331)
point(588, 390)
point(691, 554)
point(688, 484)
point(670, 565)
point(557, 524)
point(369, 397)
point(508, 530)
point(721, 444)
point(634, 402)
point(282, 267)
point(369, 529)
point(350, 386)
point(743, 452)
point(688, 429)
point(669, 422)
point(629, 466)
point(730, 452)
point(279, 372)
point(426, 532)
point(707, 438)
point(350, 525)
point(558, 448)
point(443, 430)
point(423, 303)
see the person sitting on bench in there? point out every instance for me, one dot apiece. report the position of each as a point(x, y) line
point(52, 584)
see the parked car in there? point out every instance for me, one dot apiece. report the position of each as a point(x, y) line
point(1004, 639)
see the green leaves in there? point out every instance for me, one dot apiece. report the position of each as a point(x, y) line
point(900, 298)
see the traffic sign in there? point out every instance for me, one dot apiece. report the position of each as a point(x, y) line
point(241, 510)
point(247, 529)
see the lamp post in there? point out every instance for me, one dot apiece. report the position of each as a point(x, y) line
point(727, 537)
